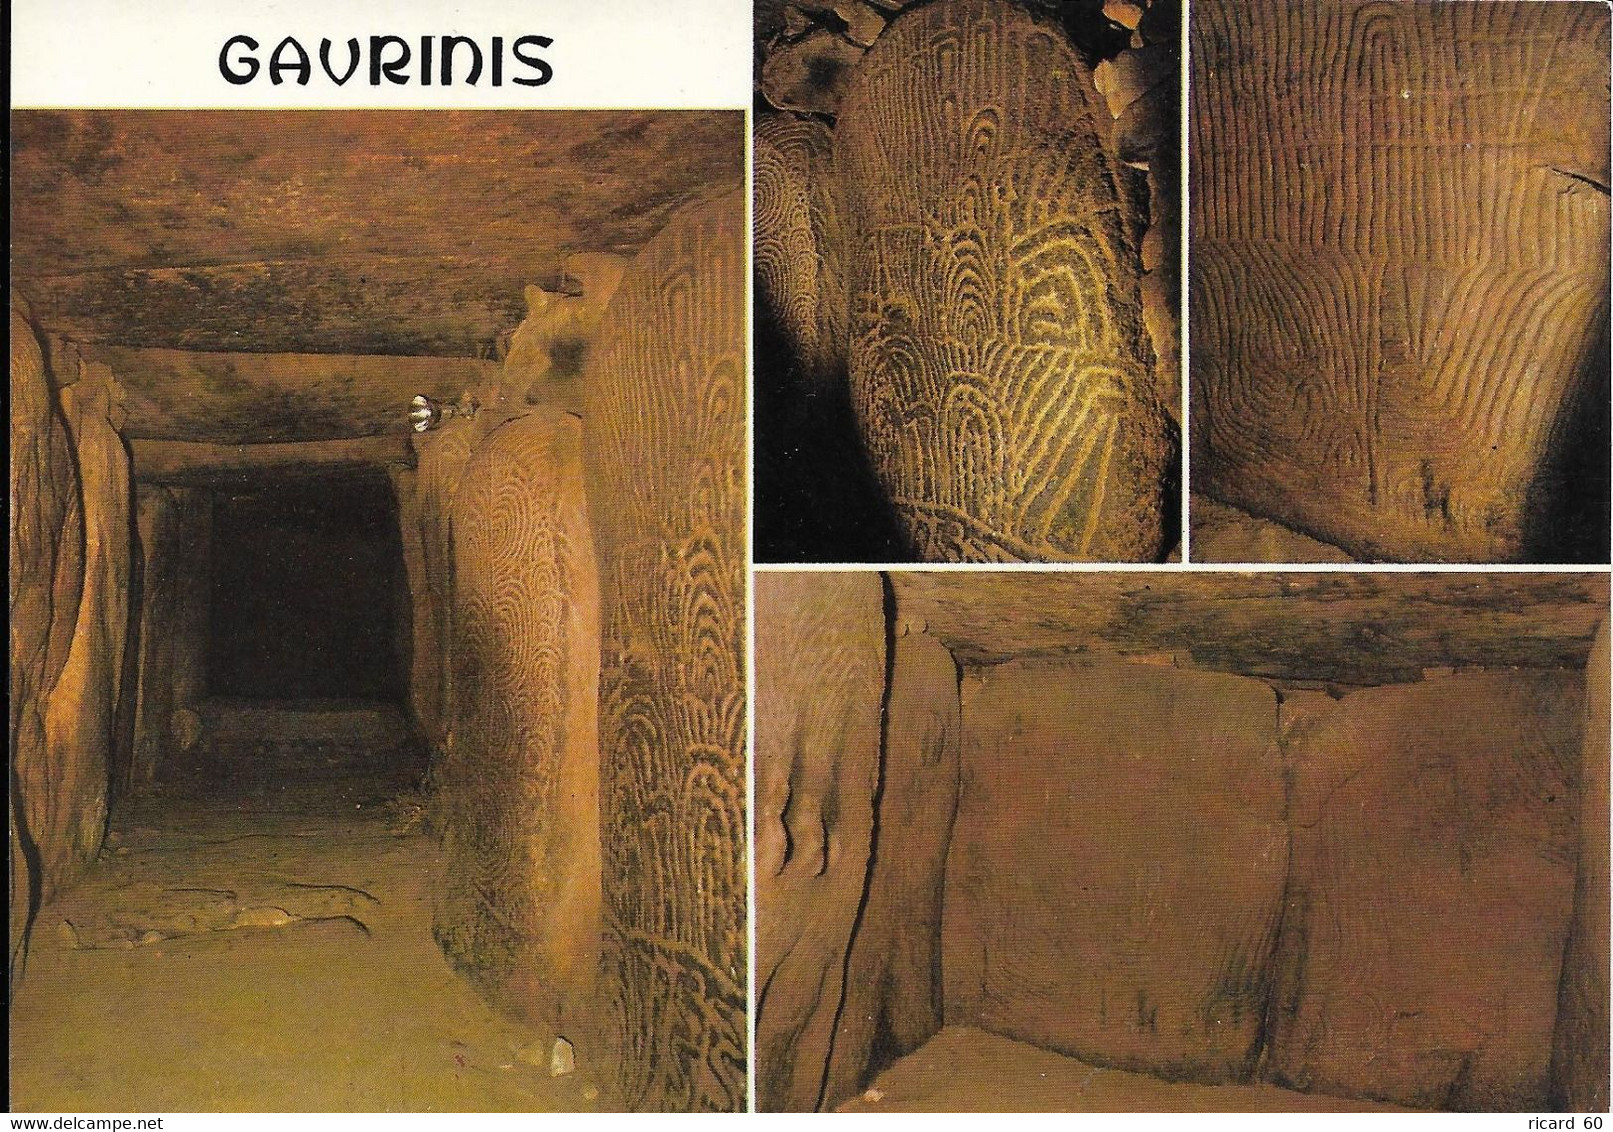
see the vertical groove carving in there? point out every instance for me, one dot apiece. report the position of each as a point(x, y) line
point(1399, 262)
point(665, 461)
point(1000, 365)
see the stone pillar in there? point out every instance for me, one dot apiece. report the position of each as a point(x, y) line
point(520, 786)
point(46, 564)
point(1579, 1056)
point(1415, 807)
point(893, 982)
point(193, 598)
point(820, 685)
point(427, 512)
point(157, 516)
point(1001, 368)
point(81, 720)
point(665, 457)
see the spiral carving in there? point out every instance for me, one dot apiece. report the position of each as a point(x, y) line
point(1001, 369)
point(520, 779)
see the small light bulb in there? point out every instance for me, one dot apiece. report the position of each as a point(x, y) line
point(423, 414)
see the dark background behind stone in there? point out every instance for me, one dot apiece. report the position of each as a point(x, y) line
point(304, 574)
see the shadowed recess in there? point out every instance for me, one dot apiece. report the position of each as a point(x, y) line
point(304, 574)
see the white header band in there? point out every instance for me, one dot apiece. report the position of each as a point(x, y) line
point(606, 54)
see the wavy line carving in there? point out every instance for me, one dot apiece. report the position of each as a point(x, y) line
point(795, 250)
point(665, 463)
point(521, 774)
point(1000, 365)
point(1396, 279)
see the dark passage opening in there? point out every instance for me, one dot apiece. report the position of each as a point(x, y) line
point(306, 573)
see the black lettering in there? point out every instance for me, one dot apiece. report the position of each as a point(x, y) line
point(225, 68)
point(498, 60)
point(545, 72)
point(392, 68)
point(352, 56)
point(277, 63)
point(449, 42)
point(425, 60)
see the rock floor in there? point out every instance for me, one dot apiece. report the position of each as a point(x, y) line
point(963, 1069)
point(266, 952)
point(1222, 533)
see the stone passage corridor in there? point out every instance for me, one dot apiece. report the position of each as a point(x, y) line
point(269, 951)
point(381, 477)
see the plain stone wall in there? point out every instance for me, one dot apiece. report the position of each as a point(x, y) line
point(1117, 864)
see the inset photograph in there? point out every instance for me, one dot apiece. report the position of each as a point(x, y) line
point(1196, 842)
point(1399, 281)
point(966, 281)
point(378, 585)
